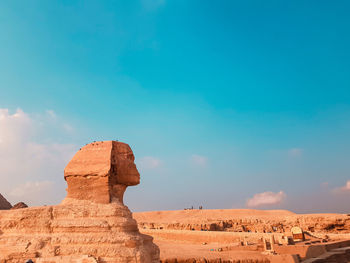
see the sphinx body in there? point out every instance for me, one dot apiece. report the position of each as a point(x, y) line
point(91, 224)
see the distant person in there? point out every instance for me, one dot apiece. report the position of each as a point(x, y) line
point(200, 207)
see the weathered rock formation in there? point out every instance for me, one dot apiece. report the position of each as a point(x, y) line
point(4, 204)
point(243, 221)
point(100, 172)
point(91, 225)
point(19, 205)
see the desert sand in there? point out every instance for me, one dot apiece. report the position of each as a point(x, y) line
point(241, 235)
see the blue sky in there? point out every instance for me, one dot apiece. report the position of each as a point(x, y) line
point(221, 102)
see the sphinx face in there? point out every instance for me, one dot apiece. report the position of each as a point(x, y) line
point(123, 167)
point(100, 172)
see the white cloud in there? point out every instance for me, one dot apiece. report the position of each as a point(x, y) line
point(30, 188)
point(295, 152)
point(14, 128)
point(51, 118)
point(24, 159)
point(199, 160)
point(32, 191)
point(51, 114)
point(343, 189)
point(149, 162)
point(68, 128)
point(346, 187)
point(266, 198)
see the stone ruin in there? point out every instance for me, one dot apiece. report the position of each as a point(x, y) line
point(4, 204)
point(91, 224)
point(19, 205)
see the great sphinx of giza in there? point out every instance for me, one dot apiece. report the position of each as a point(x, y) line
point(91, 224)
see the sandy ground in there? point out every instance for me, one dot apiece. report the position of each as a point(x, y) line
point(196, 215)
point(188, 243)
point(183, 250)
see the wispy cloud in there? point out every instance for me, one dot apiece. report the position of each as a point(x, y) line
point(199, 160)
point(51, 114)
point(68, 128)
point(26, 163)
point(266, 198)
point(148, 162)
point(32, 191)
point(14, 128)
point(346, 187)
point(295, 152)
point(343, 189)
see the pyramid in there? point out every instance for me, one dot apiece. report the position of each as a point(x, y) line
point(4, 204)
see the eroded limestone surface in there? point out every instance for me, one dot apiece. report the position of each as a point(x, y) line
point(91, 225)
point(244, 220)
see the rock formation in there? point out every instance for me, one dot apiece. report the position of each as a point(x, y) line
point(245, 220)
point(100, 172)
point(4, 204)
point(19, 205)
point(91, 224)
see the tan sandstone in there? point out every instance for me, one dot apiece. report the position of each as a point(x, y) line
point(244, 220)
point(236, 235)
point(91, 224)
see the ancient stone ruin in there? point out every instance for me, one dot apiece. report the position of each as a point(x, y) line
point(19, 205)
point(91, 224)
point(4, 204)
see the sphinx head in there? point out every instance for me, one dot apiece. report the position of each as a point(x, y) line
point(100, 172)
